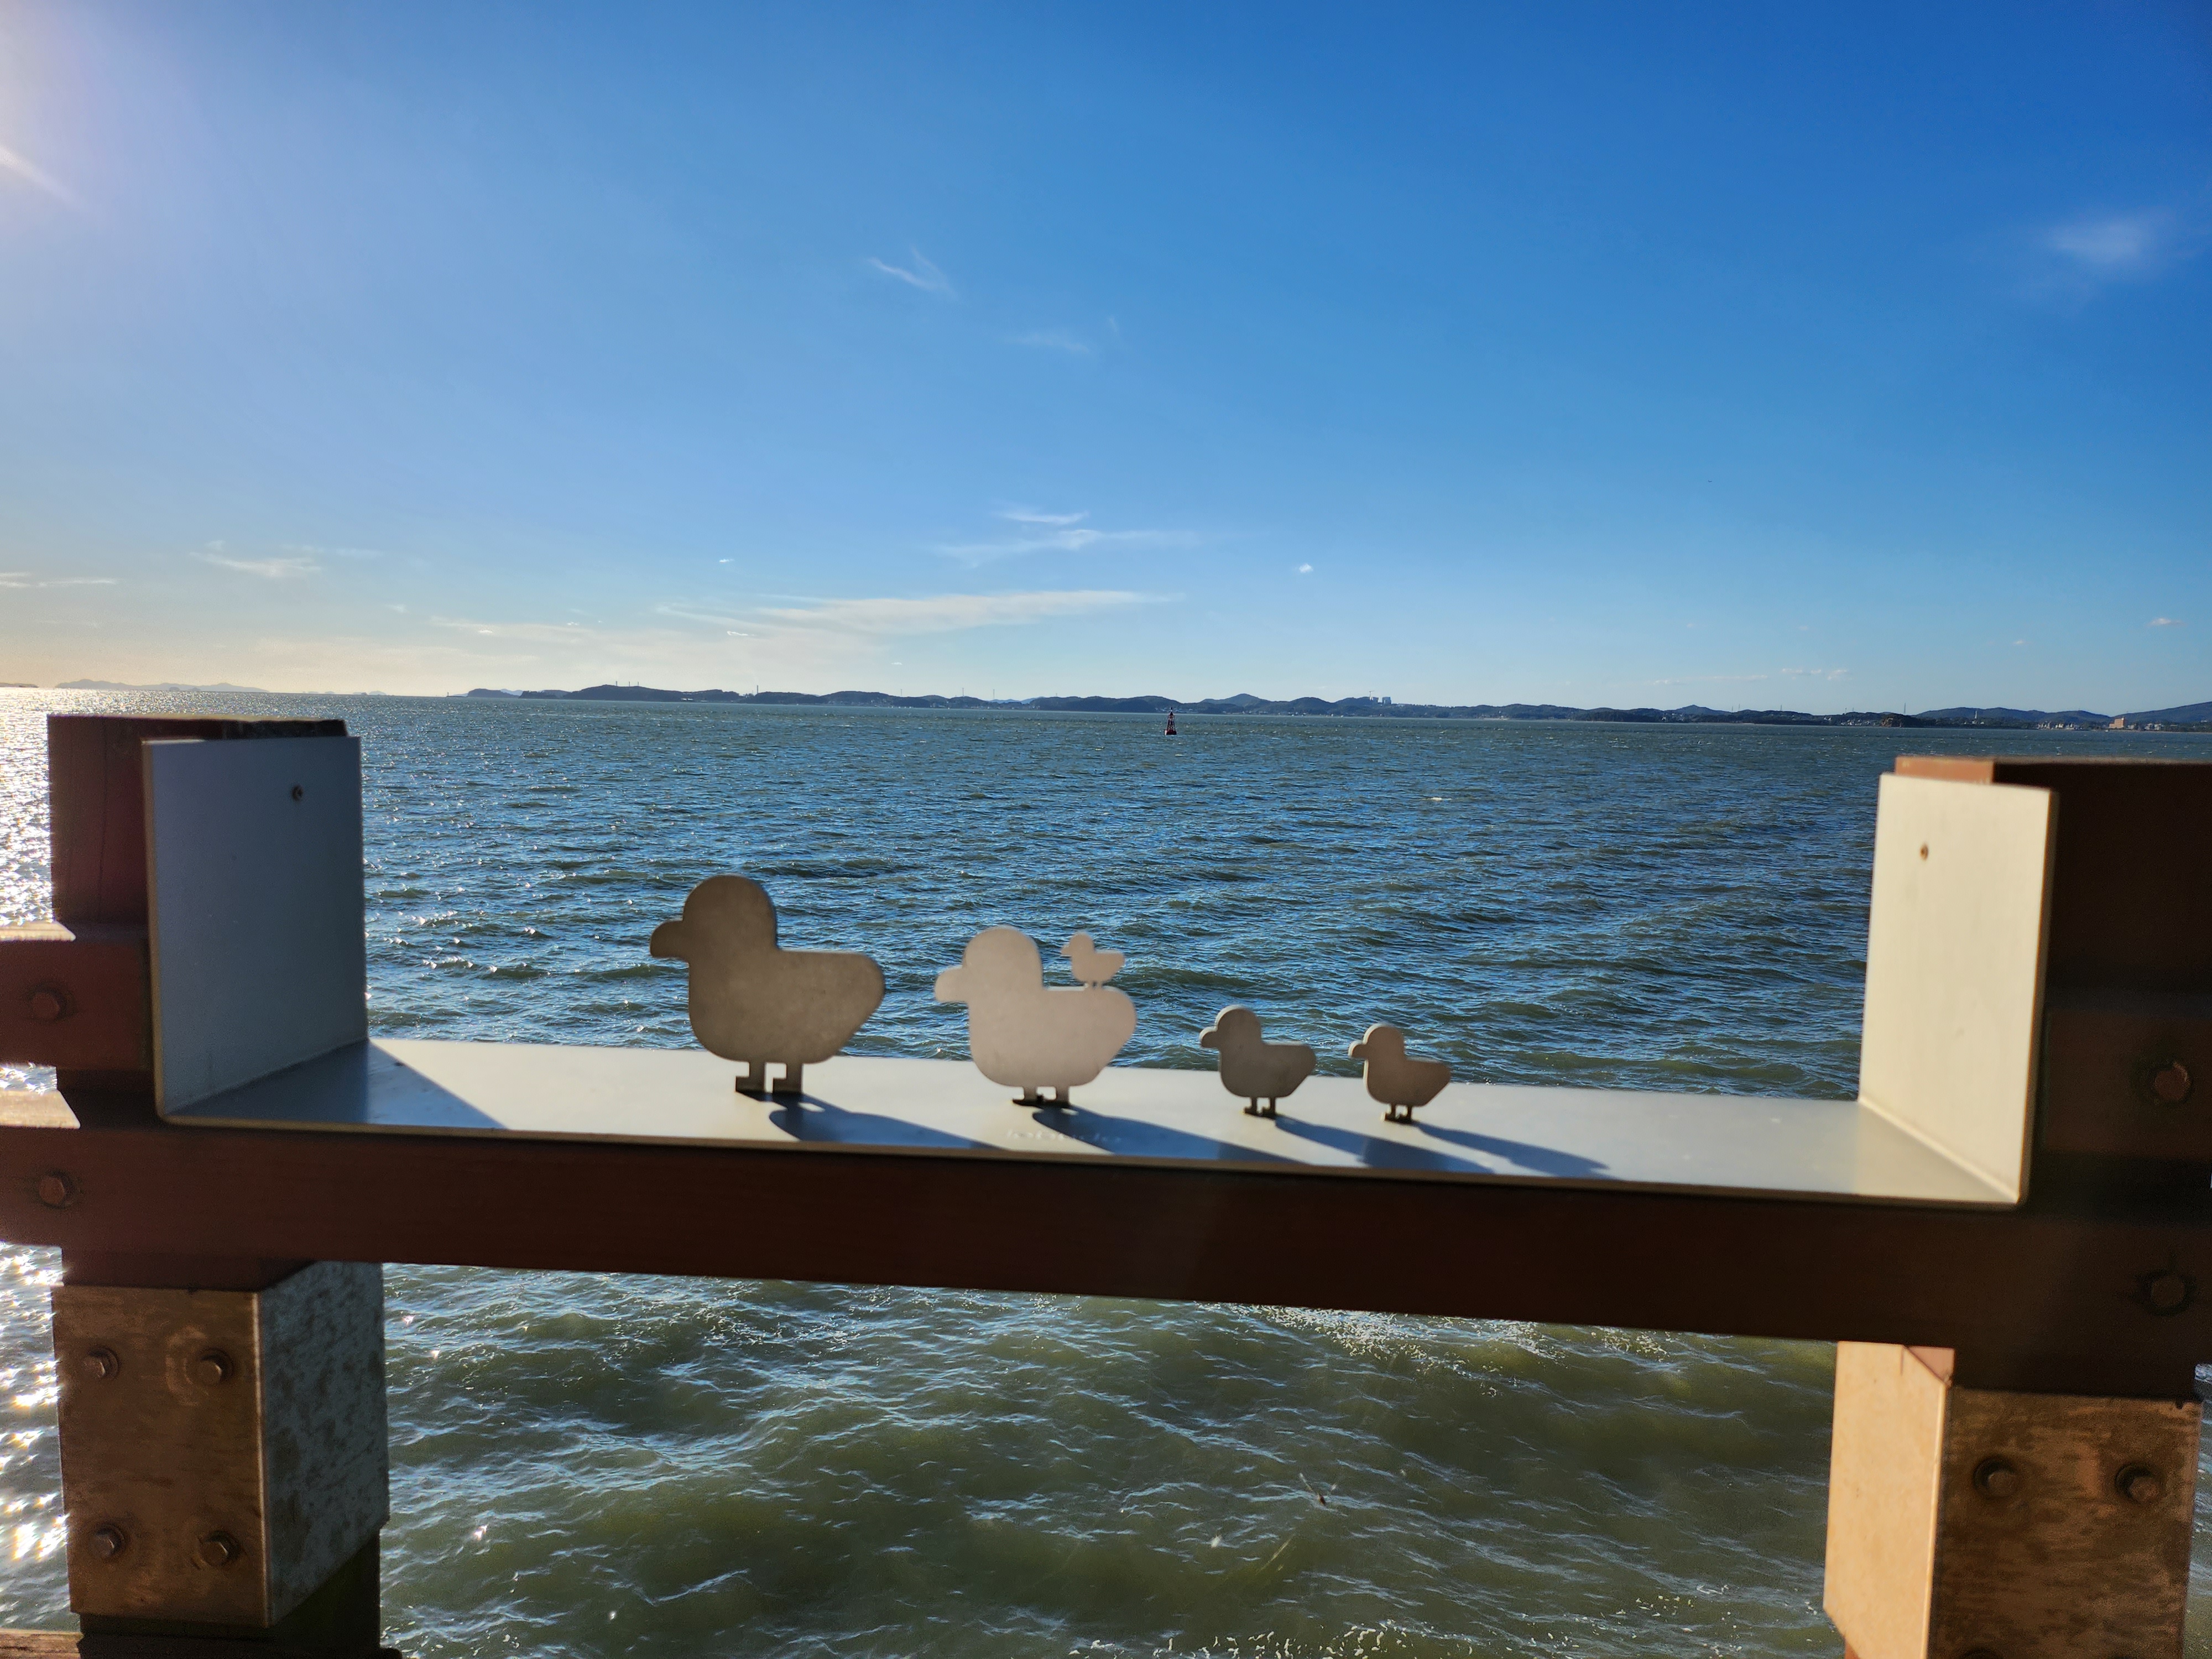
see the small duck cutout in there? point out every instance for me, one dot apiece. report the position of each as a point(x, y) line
point(755, 1003)
point(1399, 1080)
point(1025, 1035)
point(1255, 1069)
point(1090, 965)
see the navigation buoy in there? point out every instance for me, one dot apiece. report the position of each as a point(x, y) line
point(1171, 731)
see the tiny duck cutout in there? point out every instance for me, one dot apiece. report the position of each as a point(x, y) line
point(1399, 1080)
point(755, 1004)
point(1024, 1036)
point(1256, 1070)
point(1091, 965)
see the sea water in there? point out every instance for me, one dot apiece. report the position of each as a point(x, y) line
point(587, 1464)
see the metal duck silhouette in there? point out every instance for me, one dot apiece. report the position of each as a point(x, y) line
point(1025, 1035)
point(756, 1003)
point(1251, 1067)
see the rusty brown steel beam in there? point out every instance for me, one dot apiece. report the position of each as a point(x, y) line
point(2079, 1299)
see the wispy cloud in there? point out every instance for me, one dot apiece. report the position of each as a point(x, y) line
point(947, 613)
point(1053, 339)
point(38, 178)
point(1305, 570)
point(276, 570)
point(1057, 532)
point(1030, 515)
point(2097, 249)
point(531, 633)
point(924, 275)
point(25, 579)
point(2119, 243)
point(2163, 621)
point(313, 550)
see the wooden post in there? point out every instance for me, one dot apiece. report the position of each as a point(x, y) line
point(1975, 1522)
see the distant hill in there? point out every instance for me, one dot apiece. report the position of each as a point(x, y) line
point(2017, 716)
point(1364, 707)
point(162, 685)
point(2190, 714)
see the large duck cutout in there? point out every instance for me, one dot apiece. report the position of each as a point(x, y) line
point(755, 1004)
point(1026, 1036)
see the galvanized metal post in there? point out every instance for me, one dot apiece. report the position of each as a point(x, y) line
point(223, 1453)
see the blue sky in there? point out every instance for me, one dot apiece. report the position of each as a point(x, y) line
point(1824, 358)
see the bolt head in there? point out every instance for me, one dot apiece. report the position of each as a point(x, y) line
point(100, 1364)
point(219, 1549)
point(109, 1541)
point(1996, 1477)
point(48, 1005)
point(2170, 1083)
point(213, 1369)
point(2139, 1485)
point(56, 1190)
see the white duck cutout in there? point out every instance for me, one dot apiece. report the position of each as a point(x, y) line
point(1024, 1036)
point(755, 1003)
point(1396, 1079)
point(1251, 1067)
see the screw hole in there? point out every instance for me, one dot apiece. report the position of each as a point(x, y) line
point(299, 792)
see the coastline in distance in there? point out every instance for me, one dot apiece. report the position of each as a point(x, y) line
point(2189, 715)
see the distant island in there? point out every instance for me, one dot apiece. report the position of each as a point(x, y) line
point(2190, 717)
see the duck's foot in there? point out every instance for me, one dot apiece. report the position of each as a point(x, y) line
point(1032, 1098)
point(789, 1083)
point(753, 1080)
point(1255, 1109)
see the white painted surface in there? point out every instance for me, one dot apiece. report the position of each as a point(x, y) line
point(1954, 968)
point(1471, 1131)
point(256, 933)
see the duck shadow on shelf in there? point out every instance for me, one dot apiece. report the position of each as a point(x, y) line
point(1126, 1139)
point(1539, 1160)
point(819, 1122)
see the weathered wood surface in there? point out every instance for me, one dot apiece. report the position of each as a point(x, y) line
point(2029, 1525)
